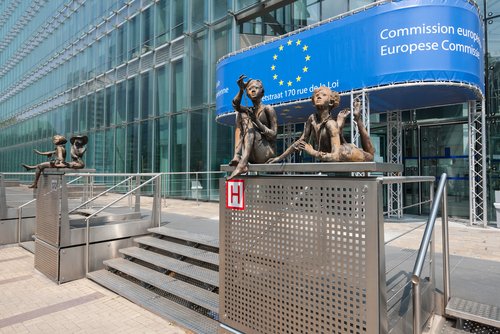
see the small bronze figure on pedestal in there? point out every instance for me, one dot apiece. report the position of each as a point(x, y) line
point(326, 132)
point(77, 150)
point(256, 128)
point(58, 156)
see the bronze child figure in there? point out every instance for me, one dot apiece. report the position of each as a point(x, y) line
point(58, 157)
point(256, 128)
point(77, 150)
point(326, 132)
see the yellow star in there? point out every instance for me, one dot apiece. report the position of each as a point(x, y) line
point(281, 82)
point(289, 83)
point(281, 47)
point(298, 78)
point(275, 76)
point(305, 47)
point(308, 57)
point(273, 68)
point(304, 69)
point(275, 57)
point(298, 42)
point(289, 42)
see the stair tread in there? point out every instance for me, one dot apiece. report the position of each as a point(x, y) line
point(149, 300)
point(186, 291)
point(188, 251)
point(474, 311)
point(185, 235)
point(187, 269)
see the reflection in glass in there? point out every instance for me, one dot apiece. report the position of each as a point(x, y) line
point(199, 66)
point(132, 148)
point(161, 91)
point(162, 23)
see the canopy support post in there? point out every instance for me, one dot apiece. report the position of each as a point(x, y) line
point(477, 163)
point(394, 155)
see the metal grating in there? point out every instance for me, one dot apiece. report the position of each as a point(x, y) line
point(150, 301)
point(174, 286)
point(133, 67)
point(302, 257)
point(161, 55)
point(47, 259)
point(474, 311)
point(121, 73)
point(202, 274)
point(176, 248)
point(177, 48)
point(147, 62)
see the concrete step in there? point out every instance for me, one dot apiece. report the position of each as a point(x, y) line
point(183, 268)
point(176, 248)
point(186, 291)
point(149, 300)
point(187, 236)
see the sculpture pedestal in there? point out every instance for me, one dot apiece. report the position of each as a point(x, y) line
point(61, 233)
point(302, 253)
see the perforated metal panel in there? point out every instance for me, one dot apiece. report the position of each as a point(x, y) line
point(302, 257)
point(48, 208)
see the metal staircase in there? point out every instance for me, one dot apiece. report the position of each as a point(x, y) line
point(172, 273)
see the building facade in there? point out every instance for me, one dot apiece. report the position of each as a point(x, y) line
point(138, 78)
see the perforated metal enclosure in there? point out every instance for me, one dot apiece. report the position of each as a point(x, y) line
point(48, 207)
point(303, 256)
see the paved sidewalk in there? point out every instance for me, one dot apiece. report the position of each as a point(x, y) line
point(31, 303)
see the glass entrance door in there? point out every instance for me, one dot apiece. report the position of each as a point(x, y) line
point(443, 149)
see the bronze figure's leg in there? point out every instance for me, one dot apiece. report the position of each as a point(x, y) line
point(246, 142)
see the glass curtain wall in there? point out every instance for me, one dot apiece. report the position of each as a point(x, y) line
point(138, 78)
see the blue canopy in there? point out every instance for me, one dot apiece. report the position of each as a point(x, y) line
point(407, 54)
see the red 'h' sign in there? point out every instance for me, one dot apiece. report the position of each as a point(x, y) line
point(235, 194)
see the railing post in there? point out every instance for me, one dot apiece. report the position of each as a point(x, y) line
point(156, 202)
point(87, 245)
point(137, 206)
point(19, 220)
point(91, 187)
point(446, 248)
point(416, 304)
point(197, 190)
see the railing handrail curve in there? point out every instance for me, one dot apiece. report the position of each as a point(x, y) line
point(87, 219)
point(101, 194)
point(440, 196)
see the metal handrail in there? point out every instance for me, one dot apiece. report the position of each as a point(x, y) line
point(100, 194)
point(87, 219)
point(441, 195)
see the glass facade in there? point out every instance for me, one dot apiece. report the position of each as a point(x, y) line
point(137, 77)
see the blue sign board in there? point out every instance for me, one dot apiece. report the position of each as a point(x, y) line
point(387, 45)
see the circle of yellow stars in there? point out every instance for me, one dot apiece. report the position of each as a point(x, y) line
point(281, 54)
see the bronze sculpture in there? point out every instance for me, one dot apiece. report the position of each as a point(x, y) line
point(256, 128)
point(326, 132)
point(77, 150)
point(58, 156)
